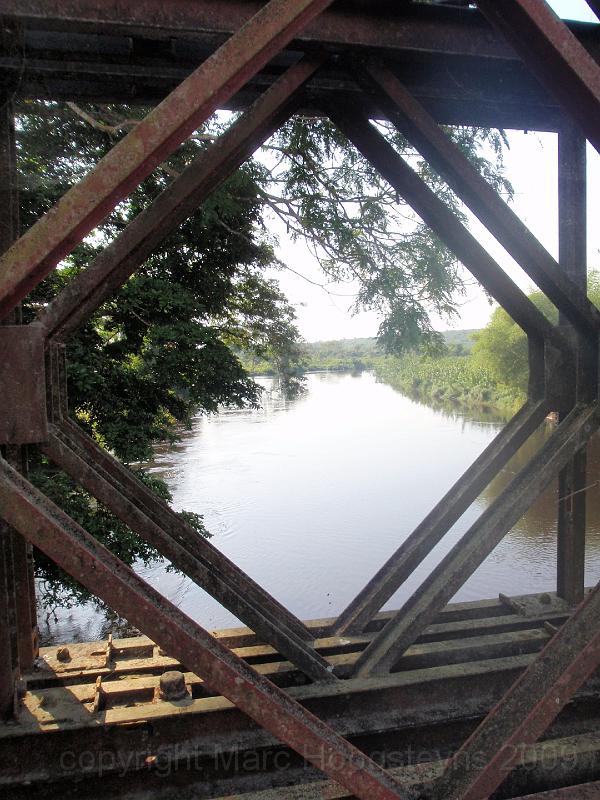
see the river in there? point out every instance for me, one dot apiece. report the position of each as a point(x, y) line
point(311, 495)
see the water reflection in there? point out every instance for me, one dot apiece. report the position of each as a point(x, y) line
point(311, 495)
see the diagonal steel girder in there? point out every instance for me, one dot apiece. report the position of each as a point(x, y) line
point(79, 554)
point(436, 147)
point(82, 469)
point(478, 542)
point(73, 306)
point(433, 211)
point(554, 56)
point(87, 203)
point(416, 547)
point(527, 709)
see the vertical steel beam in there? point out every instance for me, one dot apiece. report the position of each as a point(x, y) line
point(527, 709)
point(554, 55)
point(9, 652)
point(105, 576)
point(20, 560)
point(87, 203)
point(572, 213)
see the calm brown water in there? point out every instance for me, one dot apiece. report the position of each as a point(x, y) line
point(310, 496)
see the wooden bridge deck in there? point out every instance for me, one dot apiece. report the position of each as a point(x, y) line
point(97, 717)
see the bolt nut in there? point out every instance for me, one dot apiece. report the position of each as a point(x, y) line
point(63, 655)
point(172, 686)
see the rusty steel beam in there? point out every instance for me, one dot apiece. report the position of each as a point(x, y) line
point(582, 378)
point(527, 709)
point(20, 418)
point(554, 55)
point(139, 496)
point(380, 27)
point(398, 568)
point(57, 535)
point(86, 473)
point(447, 159)
point(478, 542)
point(87, 203)
point(109, 270)
point(9, 646)
point(444, 223)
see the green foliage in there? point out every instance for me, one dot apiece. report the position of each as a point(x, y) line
point(364, 234)
point(160, 350)
point(501, 347)
point(448, 382)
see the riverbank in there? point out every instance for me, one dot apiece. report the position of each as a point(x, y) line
point(454, 382)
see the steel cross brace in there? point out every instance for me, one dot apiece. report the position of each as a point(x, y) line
point(422, 131)
point(527, 709)
point(401, 564)
point(186, 555)
point(87, 203)
point(54, 533)
point(554, 55)
point(478, 542)
point(111, 268)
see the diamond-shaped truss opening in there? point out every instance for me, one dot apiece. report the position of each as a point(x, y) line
point(533, 702)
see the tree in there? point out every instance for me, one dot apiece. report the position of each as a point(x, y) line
point(501, 347)
point(164, 348)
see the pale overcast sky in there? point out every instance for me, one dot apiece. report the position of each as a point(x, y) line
point(531, 167)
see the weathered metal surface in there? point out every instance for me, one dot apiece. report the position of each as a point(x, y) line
point(479, 541)
point(9, 648)
point(444, 223)
point(559, 283)
point(50, 529)
point(438, 522)
point(528, 708)
point(87, 203)
point(580, 381)
point(159, 512)
point(141, 237)
point(554, 55)
point(22, 378)
point(462, 71)
point(91, 477)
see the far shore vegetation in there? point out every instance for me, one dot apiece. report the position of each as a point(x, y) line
point(483, 370)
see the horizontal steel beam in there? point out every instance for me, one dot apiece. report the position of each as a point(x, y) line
point(79, 554)
point(378, 26)
point(87, 203)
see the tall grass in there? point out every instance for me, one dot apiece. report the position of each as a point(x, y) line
point(448, 381)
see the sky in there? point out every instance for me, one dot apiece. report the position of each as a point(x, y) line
point(531, 166)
